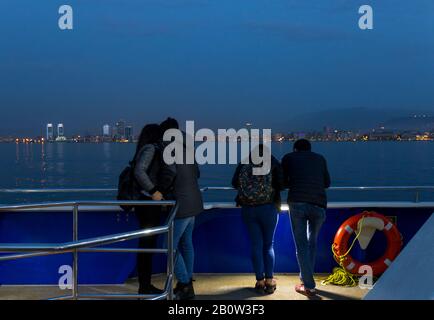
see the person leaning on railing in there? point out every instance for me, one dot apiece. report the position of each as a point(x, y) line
point(188, 196)
point(155, 179)
point(306, 175)
point(259, 198)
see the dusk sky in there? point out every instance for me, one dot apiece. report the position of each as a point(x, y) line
point(219, 62)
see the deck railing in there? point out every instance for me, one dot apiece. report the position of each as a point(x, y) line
point(93, 244)
point(23, 250)
point(417, 190)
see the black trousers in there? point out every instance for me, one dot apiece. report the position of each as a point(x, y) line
point(148, 216)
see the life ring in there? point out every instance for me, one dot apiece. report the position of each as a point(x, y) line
point(371, 221)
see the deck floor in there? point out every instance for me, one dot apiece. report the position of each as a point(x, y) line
point(207, 287)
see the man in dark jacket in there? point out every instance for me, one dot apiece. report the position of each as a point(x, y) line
point(306, 175)
point(187, 193)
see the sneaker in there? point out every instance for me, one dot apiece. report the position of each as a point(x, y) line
point(270, 286)
point(300, 288)
point(184, 291)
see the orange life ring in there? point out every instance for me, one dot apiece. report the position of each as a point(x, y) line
point(342, 237)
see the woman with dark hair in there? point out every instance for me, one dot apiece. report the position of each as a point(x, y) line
point(154, 178)
point(259, 198)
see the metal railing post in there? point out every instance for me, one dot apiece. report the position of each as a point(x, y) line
point(75, 253)
point(417, 196)
point(93, 244)
point(170, 258)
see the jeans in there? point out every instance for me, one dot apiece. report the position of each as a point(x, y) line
point(306, 222)
point(183, 244)
point(261, 222)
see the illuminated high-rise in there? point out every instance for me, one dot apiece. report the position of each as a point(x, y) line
point(106, 130)
point(120, 130)
point(129, 133)
point(60, 130)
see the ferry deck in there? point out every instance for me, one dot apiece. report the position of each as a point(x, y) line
point(87, 249)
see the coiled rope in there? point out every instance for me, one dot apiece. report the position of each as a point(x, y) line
point(340, 276)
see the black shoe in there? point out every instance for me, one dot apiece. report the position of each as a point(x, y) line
point(177, 288)
point(179, 285)
point(150, 290)
point(184, 291)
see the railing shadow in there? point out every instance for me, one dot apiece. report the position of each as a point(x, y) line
point(333, 296)
point(236, 294)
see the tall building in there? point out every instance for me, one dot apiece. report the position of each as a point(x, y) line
point(120, 129)
point(106, 130)
point(50, 132)
point(60, 130)
point(129, 133)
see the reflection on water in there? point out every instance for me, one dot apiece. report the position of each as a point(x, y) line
point(60, 163)
point(69, 165)
point(106, 164)
point(43, 164)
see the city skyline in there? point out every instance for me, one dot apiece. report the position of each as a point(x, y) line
point(120, 127)
point(411, 122)
point(122, 132)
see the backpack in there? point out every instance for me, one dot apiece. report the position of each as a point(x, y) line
point(254, 189)
point(128, 188)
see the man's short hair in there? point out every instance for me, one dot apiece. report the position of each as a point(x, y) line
point(302, 145)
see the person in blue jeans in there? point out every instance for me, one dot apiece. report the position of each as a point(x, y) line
point(259, 198)
point(261, 222)
point(188, 196)
point(183, 242)
point(306, 221)
point(306, 175)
